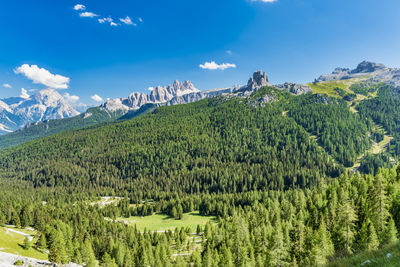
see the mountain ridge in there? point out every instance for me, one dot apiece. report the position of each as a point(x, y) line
point(46, 104)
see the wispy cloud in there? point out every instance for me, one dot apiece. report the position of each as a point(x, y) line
point(24, 94)
point(108, 20)
point(71, 98)
point(229, 52)
point(88, 15)
point(42, 76)
point(79, 7)
point(214, 66)
point(97, 98)
point(7, 85)
point(127, 21)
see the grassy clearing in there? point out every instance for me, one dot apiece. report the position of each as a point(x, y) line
point(162, 222)
point(377, 258)
point(329, 87)
point(12, 243)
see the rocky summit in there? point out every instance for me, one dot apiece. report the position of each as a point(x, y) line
point(377, 73)
point(159, 94)
point(47, 104)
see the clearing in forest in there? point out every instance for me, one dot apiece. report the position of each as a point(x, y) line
point(162, 222)
point(12, 240)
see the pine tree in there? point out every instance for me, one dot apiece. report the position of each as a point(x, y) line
point(57, 253)
point(107, 261)
point(378, 204)
point(347, 217)
point(322, 246)
point(88, 255)
point(27, 243)
point(373, 242)
point(279, 251)
point(195, 259)
point(42, 243)
point(390, 233)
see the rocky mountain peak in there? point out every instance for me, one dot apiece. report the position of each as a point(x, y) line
point(47, 104)
point(378, 70)
point(158, 95)
point(368, 67)
point(49, 97)
point(258, 80)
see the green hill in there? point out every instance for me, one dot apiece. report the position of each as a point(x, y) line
point(92, 117)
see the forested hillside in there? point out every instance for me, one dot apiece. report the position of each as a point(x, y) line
point(91, 118)
point(273, 168)
point(272, 228)
point(215, 145)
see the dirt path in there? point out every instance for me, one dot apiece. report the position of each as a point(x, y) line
point(20, 233)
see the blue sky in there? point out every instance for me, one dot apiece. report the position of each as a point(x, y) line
point(164, 40)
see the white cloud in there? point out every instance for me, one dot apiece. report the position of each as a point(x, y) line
point(140, 20)
point(97, 98)
point(150, 88)
point(127, 21)
point(229, 52)
point(7, 85)
point(24, 94)
point(103, 20)
point(79, 7)
point(88, 15)
point(71, 98)
point(43, 76)
point(214, 66)
point(108, 20)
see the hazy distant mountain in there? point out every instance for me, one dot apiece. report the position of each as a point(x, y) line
point(18, 112)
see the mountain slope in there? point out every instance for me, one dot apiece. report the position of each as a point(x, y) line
point(93, 116)
point(221, 144)
point(47, 104)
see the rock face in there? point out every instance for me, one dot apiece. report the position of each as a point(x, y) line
point(194, 97)
point(157, 95)
point(368, 67)
point(18, 112)
point(258, 80)
point(293, 88)
point(374, 71)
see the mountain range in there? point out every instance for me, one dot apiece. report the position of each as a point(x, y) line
point(23, 119)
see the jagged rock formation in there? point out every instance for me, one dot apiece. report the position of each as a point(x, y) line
point(258, 80)
point(158, 95)
point(293, 88)
point(193, 97)
point(18, 112)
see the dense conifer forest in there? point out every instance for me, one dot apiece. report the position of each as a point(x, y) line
point(277, 175)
